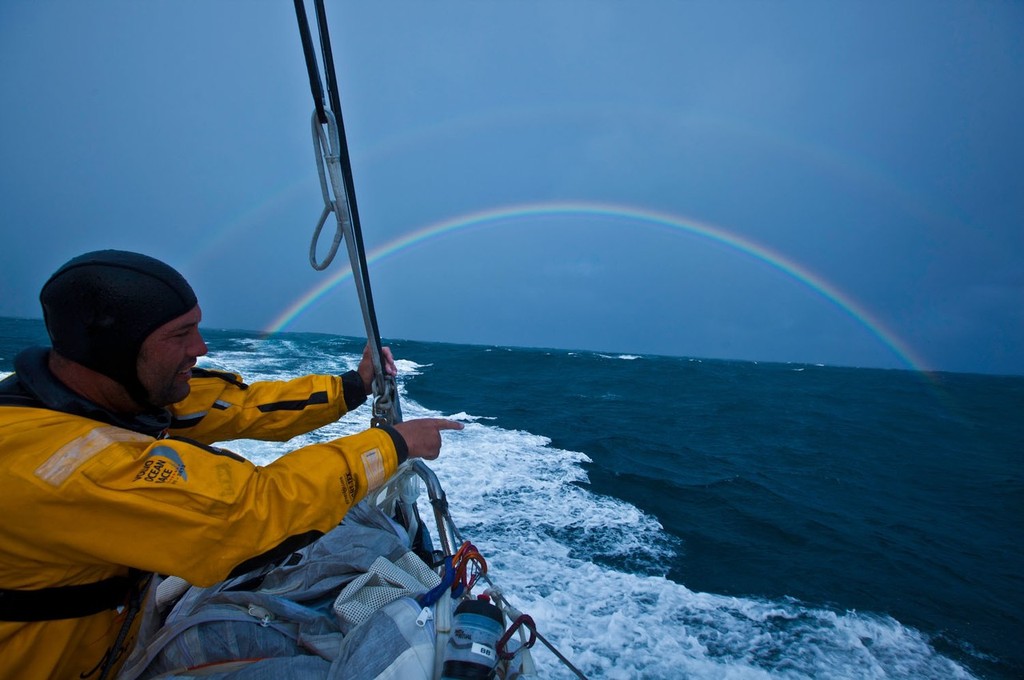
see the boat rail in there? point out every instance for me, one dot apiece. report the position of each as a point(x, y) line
point(399, 495)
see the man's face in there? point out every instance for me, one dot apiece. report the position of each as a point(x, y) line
point(167, 356)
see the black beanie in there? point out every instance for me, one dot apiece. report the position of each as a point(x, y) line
point(99, 308)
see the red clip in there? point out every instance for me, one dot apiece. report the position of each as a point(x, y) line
point(523, 620)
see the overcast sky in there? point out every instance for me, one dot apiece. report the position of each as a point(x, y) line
point(837, 183)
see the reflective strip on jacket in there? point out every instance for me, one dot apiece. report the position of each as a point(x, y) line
point(83, 500)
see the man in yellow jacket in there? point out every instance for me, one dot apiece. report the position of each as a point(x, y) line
point(108, 471)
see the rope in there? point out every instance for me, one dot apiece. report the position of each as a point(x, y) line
point(339, 194)
point(134, 607)
point(428, 598)
point(460, 574)
point(325, 148)
point(332, 153)
point(310, 55)
point(469, 565)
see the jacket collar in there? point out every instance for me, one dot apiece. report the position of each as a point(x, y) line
point(36, 379)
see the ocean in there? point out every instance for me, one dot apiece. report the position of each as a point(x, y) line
point(667, 517)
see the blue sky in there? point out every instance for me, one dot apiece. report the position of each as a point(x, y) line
point(838, 183)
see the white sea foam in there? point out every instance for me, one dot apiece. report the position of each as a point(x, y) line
point(527, 508)
point(407, 367)
point(465, 417)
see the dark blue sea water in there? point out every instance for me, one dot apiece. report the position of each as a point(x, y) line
point(675, 517)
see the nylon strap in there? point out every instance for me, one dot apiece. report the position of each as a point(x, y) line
point(69, 602)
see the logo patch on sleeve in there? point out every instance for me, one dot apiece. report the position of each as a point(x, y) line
point(373, 466)
point(59, 467)
point(163, 465)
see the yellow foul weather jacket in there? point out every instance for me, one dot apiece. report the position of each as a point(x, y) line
point(93, 502)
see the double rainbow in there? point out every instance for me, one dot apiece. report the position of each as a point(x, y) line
point(584, 209)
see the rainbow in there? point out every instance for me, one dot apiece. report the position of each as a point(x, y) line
point(585, 209)
point(213, 244)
